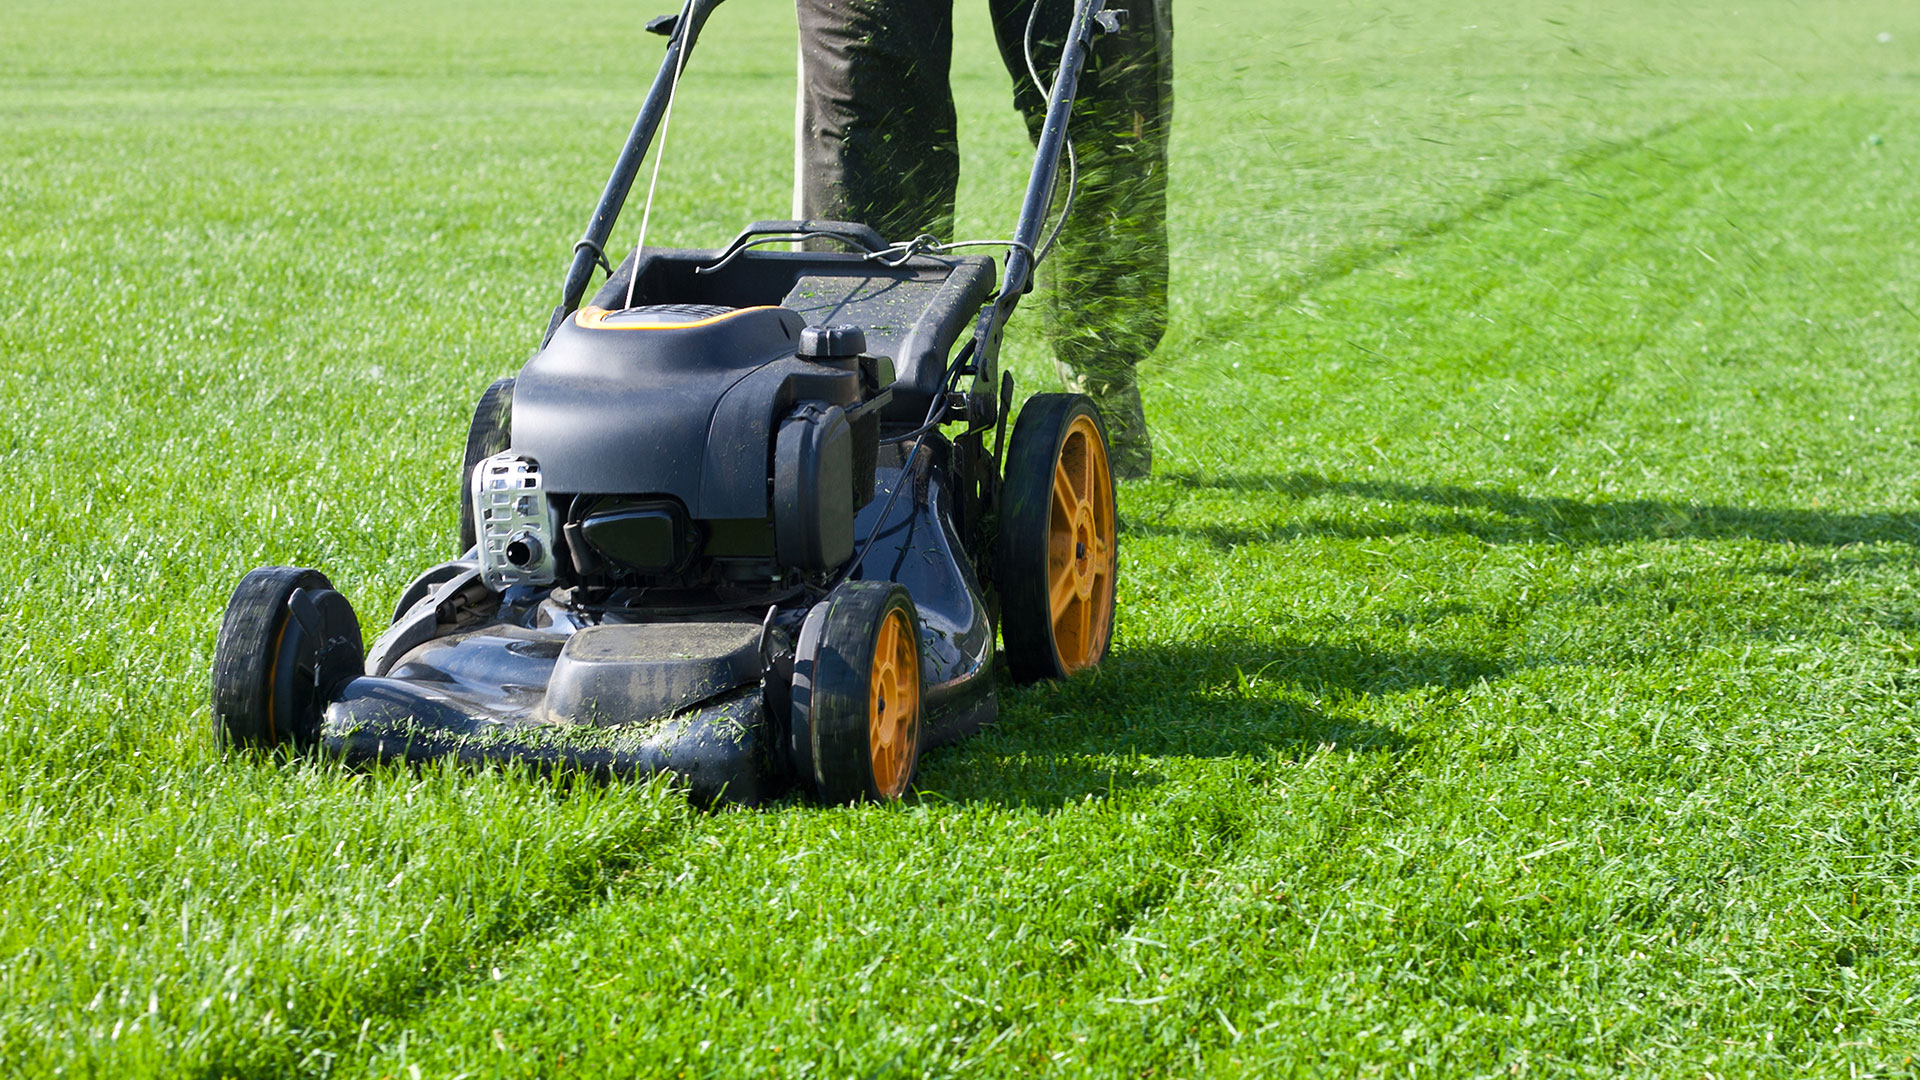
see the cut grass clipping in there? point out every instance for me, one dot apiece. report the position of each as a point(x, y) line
point(1515, 668)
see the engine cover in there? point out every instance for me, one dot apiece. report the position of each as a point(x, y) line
point(669, 400)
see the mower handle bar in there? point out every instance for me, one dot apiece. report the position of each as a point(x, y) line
point(851, 233)
point(1017, 280)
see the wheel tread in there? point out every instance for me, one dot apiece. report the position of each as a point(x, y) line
point(488, 434)
point(243, 654)
point(1032, 602)
point(841, 765)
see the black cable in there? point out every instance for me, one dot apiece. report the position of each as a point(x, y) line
point(919, 436)
point(939, 404)
point(906, 474)
point(895, 440)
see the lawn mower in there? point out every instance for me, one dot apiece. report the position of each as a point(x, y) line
point(716, 526)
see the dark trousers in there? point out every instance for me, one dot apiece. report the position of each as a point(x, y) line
point(877, 145)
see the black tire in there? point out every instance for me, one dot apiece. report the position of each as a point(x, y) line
point(488, 434)
point(288, 640)
point(856, 710)
point(1057, 551)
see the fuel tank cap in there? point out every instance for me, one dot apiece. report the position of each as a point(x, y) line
point(836, 341)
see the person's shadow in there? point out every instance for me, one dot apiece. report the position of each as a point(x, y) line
point(1500, 517)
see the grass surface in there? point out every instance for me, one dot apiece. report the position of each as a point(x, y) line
point(1516, 669)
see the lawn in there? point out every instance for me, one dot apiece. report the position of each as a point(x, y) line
point(1516, 664)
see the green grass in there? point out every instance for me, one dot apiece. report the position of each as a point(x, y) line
point(1516, 670)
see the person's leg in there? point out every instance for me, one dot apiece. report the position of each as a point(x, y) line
point(877, 140)
point(1107, 276)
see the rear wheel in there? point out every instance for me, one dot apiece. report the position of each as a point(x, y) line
point(1057, 545)
point(857, 695)
point(418, 589)
point(288, 640)
point(488, 434)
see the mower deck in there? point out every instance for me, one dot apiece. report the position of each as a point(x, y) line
point(684, 693)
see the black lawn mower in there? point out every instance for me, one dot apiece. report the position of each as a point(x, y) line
point(716, 525)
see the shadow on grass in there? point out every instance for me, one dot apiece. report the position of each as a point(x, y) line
point(1499, 517)
point(1060, 742)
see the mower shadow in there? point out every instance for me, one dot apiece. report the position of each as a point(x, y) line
point(1062, 742)
point(1499, 517)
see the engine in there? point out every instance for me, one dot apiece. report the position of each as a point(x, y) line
point(683, 446)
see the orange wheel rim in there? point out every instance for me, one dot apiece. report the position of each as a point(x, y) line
point(1080, 548)
point(893, 706)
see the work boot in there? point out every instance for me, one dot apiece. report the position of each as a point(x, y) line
point(1129, 447)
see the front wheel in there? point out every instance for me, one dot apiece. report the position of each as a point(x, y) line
point(857, 694)
point(1057, 555)
point(288, 640)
